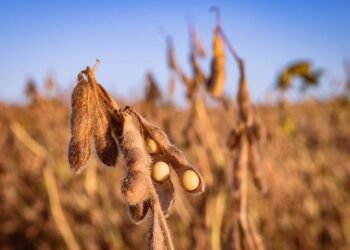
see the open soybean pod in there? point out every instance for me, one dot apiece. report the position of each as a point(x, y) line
point(105, 145)
point(216, 80)
point(169, 153)
point(239, 168)
point(79, 150)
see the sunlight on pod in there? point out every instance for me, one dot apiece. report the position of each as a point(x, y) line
point(217, 78)
point(79, 149)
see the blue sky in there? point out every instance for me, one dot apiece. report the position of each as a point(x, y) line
point(62, 37)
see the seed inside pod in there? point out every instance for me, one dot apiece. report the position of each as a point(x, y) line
point(160, 171)
point(190, 180)
point(151, 146)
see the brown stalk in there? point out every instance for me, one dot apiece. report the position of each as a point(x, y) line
point(158, 215)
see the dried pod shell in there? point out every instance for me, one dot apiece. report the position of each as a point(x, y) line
point(257, 127)
point(233, 139)
point(243, 97)
point(216, 81)
point(135, 184)
point(139, 211)
point(240, 164)
point(79, 149)
point(106, 147)
point(256, 168)
point(155, 238)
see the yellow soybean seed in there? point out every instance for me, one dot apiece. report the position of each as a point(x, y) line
point(190, 180)
point(160, 171)
point(151, 146)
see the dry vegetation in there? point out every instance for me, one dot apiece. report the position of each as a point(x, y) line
point(275, 177)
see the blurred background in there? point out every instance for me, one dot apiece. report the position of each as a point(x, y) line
point(305, 116)
point(59, 38)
